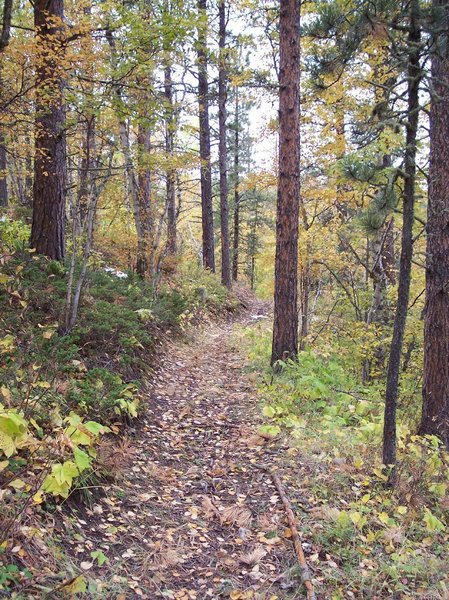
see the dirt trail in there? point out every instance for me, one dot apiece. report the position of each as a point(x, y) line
point(193, 517)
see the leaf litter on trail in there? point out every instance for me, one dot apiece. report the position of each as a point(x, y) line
point(189, 515)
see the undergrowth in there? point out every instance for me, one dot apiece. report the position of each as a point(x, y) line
point(367, 540)
point(61, 395)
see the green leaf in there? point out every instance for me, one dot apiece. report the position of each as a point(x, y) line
point(431, 522)
point(7, 444)
point(78, 437)
point(269, 411)
point(272, 430)
point(96, 428)
point(82, 459)
point(69, 470)
point(99, 556)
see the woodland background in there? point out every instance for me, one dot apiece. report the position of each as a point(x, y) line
point(139, 174)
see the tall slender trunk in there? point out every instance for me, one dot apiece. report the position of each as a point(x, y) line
point(5, 35)
point(222, 150)
point(28, 191)
point(435, 413)
point(305, 285)
point(3, 171)
point(285, 329)
point(146, 250)
point(140, 203)
point(252, 249)
point(236, 232)
point(86, 166)
point(170, 171)
point(83, 222)
point(203, 110)
point(391, 393)
point(305, 280)
point(49, 193)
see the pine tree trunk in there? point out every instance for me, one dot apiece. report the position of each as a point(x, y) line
point(391, 393)
point(236, 232)
point(285, 329)
point(4, 42)
point(222, 115)
point(49, 194)
point(206, 173)
point(170, 172)
point(435, 414)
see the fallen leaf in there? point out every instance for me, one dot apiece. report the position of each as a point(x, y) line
point(236, 515)
point(253, 557)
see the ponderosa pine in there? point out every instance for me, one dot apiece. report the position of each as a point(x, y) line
point(5, 35)
point(207, 216)
point(435, 411)
point(49, 193)
point(236, 216)
point(222, 149)
point(414, 75)
point(285, 329)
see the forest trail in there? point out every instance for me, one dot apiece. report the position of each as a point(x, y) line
point(194, 517)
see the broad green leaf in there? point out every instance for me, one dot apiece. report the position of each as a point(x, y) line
point(269, 411)
point(7, 444)
point(82, 459)
point(99, 556)
point(431, 522)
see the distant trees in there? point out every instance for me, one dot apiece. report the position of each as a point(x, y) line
point(112, 105)
point(285, 327)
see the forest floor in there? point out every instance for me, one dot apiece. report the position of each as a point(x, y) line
point(191, 515)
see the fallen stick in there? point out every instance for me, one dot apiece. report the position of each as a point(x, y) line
point(305, 573)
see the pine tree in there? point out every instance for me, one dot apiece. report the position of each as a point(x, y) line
point(4, 41)
point(203, 110)
point(435, 413)
point(285, 328)
point(49, 194)
point(223, 160)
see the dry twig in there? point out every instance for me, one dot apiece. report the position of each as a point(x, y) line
point(305, 573)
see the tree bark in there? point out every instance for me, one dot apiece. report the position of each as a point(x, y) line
point(207, 217)
point(435, 411)
point(4, 42)
point(405, 264)
point(6, 24)
point(285, 329)
point(222, 116)
point(86, 167)
point(49, 193)
point(236, 232)
point(3, 170)
point(170, 171)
